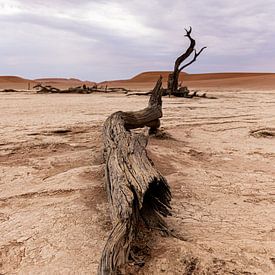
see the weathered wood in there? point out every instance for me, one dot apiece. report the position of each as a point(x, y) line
point(46, 89)
point(137, 192)
point(181, 92)
point(77, 90)
point(130, 93)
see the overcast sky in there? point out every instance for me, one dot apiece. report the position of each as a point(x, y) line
point(99, 40)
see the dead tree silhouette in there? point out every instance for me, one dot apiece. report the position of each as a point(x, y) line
point(173, 78)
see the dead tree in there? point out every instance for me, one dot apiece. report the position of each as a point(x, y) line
point(173, 78)
point(137, 192)
point(46, 89)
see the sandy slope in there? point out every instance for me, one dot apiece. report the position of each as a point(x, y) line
point(213, 81)
point(19, 83)
point(15, 82)
point(144, 81)
point(63, 83)
point(53, 207)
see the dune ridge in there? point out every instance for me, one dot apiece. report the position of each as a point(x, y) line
point(14, 79)
point(20, 83)
point(146, 80)
point(234, 80)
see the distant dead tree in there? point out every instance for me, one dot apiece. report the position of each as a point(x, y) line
point(173, 78)
point(174, 87)
point(46, 89)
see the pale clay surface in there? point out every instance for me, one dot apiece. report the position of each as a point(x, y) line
point(53, 207)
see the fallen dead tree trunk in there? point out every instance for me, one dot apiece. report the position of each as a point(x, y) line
point(140, 93)
point(182, 92)
point(137, 192)
point(76, 90)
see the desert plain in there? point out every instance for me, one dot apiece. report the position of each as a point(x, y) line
point(218, 156)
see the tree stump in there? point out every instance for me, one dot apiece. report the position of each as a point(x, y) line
point(137, 192)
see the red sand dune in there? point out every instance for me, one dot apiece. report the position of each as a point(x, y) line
point(146, 80)
point(15, 82)
point(13, 79)
point(57, 79)
point(63, 83)
point(257, 81)
point(19, 83)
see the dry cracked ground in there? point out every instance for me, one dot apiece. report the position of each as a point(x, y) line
point(218, 156)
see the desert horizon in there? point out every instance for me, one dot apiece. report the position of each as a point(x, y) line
point(146, 80)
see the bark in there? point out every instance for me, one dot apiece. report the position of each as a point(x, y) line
point(78, 90)
point(137, 192)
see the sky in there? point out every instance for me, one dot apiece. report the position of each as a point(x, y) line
point(116, 39)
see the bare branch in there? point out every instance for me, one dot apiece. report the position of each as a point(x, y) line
point(189, 51)
point(193, 60)
point(188, 32)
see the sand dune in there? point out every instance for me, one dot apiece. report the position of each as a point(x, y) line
point(15, 82)
point(13, 79)
point(56, 79)
point(64, 83)
point(19, 83)
point(146, 80)
point(251, 81)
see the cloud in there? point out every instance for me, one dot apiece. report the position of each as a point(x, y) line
point(100, 40)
